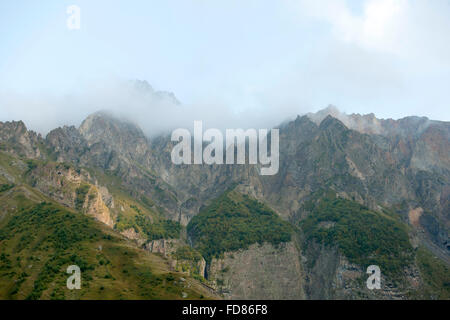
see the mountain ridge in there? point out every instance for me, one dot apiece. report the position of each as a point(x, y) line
point(404, 170)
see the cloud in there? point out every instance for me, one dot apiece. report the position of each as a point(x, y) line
point(272, 62)
point(156, 112)
point(417, 29)
point(390, 57)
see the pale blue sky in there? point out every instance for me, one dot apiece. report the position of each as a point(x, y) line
point(284, 57)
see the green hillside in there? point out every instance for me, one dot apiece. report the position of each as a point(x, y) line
point(365, 237)
point(39, 240)
point(235, 221)
point(436, 275)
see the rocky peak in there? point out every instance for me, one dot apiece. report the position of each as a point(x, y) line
point(15, 138)
point(302, 126)
point(331, 123)
point(363, 123)
point(67, 143)
point(64, 133)
point(114, 142)
point(411, 126)
point(320, 115)
point(104, 127)
point(143, 87)
point(12, 127)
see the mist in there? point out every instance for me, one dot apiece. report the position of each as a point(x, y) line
point(155, 112)
point(231, 64)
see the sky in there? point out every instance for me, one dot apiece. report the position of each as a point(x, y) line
point(248, 63)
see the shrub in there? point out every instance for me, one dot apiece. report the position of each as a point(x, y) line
point(235, 221)
point(365, 237)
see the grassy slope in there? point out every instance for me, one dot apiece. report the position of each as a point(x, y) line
point(436, 275)
point(39, 239)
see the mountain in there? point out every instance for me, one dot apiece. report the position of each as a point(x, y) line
point(42, 233)
point(351, 191)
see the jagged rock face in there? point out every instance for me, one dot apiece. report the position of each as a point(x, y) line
point(145, 166)
point(95, 206)
point(331, 276)
point(259, 272)
point(371, 169)
point(133, 235)
point(118, 148)
point(195, 185)
point(101, 141)
point(62, 184)
point(369, 124)
point(432, 150)
point(67, 144)
point(101, 128)
point(15, 138)
point(169, 248)
point(403, 160)
point(330, 155)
